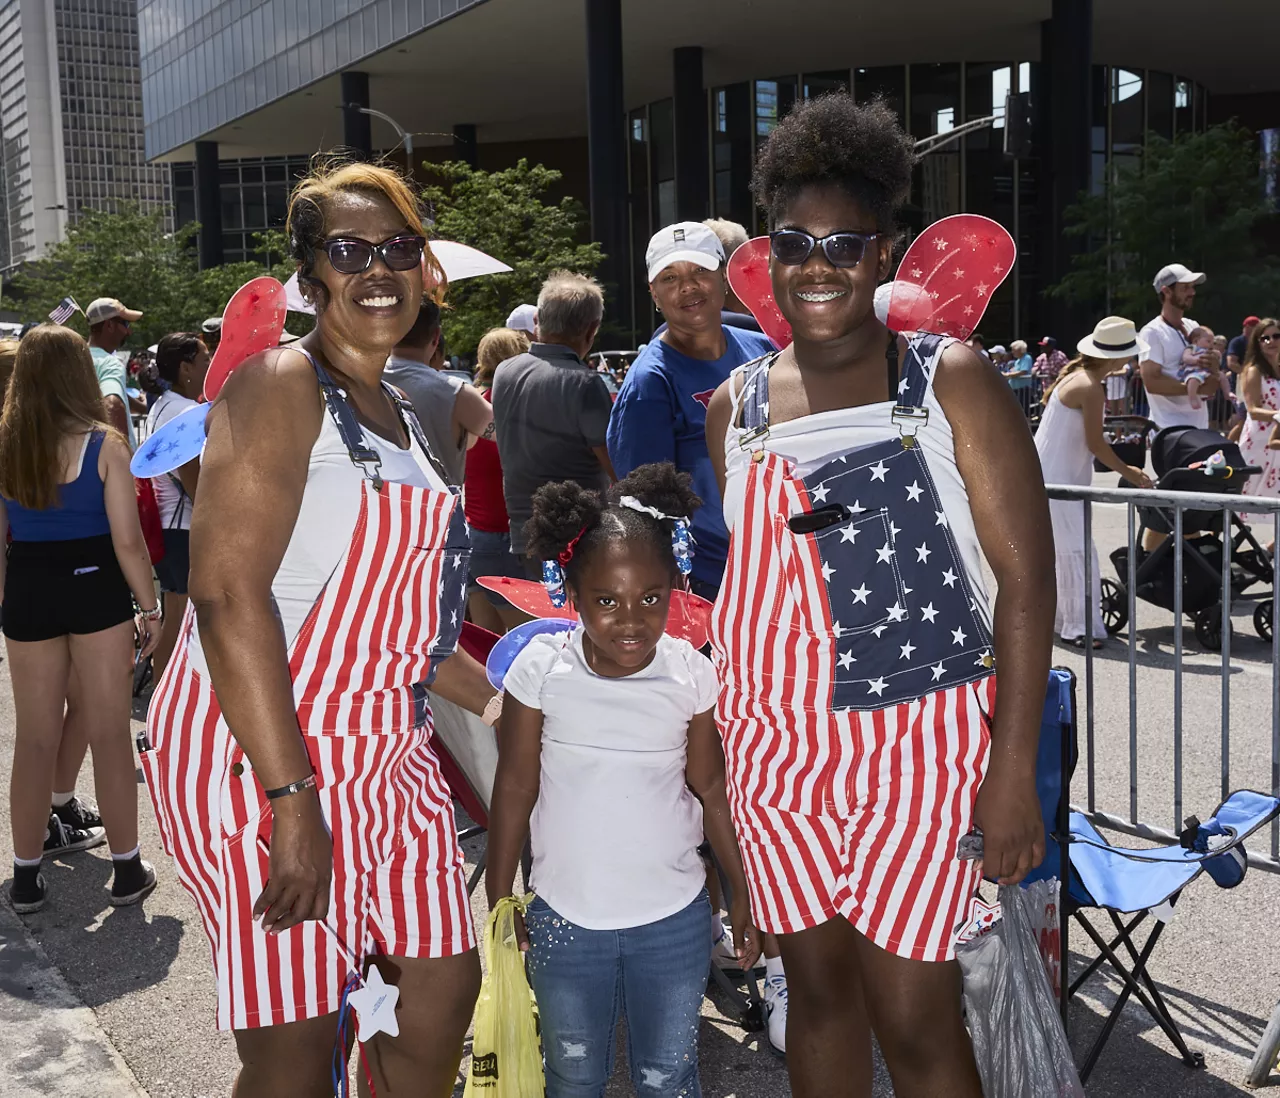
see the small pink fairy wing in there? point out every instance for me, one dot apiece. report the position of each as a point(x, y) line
point(947, 277)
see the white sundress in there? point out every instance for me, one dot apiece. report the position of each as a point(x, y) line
point(1253, 448)
point(1065, 458)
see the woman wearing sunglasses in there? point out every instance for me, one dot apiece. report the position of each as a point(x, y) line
point(1260, 386)
point(865, 474)
point(288, 754)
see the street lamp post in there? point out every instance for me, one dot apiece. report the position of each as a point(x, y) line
point(406, 138)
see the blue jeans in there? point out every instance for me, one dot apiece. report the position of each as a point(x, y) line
point(585, 979)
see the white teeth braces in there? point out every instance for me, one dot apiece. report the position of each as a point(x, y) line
point(828, 295)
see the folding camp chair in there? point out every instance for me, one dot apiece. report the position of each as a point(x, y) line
point(1120, 881)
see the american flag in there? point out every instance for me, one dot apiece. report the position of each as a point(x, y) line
point(64, 310)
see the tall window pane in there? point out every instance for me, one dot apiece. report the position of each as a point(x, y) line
point(1160, 103)
point(731, 152)
point(638, 148)
point(889, 81)
point(935, 105)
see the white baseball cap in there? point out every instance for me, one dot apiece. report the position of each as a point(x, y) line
point(106, 308)
point(1175, 273)
point(522, 318)
point(684, 242)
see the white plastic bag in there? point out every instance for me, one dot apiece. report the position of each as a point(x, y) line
point(1018, 1039)
point(1041, 900)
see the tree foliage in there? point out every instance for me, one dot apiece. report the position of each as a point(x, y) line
point(505, 214)
point(1196, 200)
point(129, 255)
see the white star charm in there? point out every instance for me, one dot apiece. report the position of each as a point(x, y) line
point(848, 533)
point(928, 614)
point(860, 593)
point(948, 578)
point(878, 470)
point(827, 571)
point(937, 672)
point(375, 1006)
point(913, 491)
point(884, 553)
point(957, 636)
point(820, 493)
point(906, 650)
point(941, 519)
point(877, 686)
point(846, 660)
point(922, 553)
point(896, 612)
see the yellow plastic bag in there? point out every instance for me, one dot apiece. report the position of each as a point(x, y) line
point(506, 1054)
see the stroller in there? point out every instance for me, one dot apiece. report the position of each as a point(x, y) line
point(1127, 436)
point(1182, 460)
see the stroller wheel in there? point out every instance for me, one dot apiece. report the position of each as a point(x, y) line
point(1208, 625)
point(1115, 607)
point(1262, 619)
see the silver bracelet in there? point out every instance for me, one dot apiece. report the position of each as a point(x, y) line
point(154, 614)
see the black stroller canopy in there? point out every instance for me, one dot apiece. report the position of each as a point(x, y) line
point(1178, 447)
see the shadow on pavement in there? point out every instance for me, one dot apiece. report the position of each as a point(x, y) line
point(105, 953)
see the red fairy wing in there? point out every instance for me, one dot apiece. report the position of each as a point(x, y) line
point(690, 617)
point(947, 277)
point(748, 273)
point(251, 323)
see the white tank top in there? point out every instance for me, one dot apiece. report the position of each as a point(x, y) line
point(327, 519)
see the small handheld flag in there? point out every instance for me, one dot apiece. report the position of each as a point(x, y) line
point(65, 308)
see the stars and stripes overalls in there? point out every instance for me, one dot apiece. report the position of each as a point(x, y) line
point(391, 610)
point(853, 642)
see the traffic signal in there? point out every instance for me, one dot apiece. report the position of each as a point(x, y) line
point(1019, 122)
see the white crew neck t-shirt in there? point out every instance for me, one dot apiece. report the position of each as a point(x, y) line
point(1167, 345)
point(173, 502)
point(616, 829)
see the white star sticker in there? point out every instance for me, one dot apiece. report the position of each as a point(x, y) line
point(906, 650)
point(896, 612)
point(878, 470)
point(941, 520)
point(877, 686)
point(958, 273)
point(827, 571)
point(913, 491)
point(937, 672)
point(846, 660)
point(848, 533)
point(884, 553)
point(948, 578)
point(375, 1007)
point(982, 289)
point(957, 636)
point(879, 631)
point(968, 310)
point(820, 493)
point(860, 593)
point(929, 614)
point(916, 272)
point(922, 553)
point(837, 630)
point(939, 243)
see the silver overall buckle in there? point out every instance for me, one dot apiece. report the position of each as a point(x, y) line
point(909, 421)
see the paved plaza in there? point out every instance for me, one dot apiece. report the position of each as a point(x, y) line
point(143, 973)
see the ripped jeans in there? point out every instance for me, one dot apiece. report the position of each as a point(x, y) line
point(585, 979)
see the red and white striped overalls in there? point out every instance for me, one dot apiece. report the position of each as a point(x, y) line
point(389, 612)
point(852, 768)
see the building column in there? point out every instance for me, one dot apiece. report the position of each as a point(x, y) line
point(693, 191)
point(464, 143)
point(606, 144)
point(357, 128)
point(208, 204)
point(1066, 114)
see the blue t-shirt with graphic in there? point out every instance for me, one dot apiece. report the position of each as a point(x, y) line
point(661, 415)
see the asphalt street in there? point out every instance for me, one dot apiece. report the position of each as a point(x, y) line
point(144, 972)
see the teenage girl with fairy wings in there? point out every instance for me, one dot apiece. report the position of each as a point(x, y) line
point(865, 475)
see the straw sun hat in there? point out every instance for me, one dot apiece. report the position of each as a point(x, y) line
point(1113, 337)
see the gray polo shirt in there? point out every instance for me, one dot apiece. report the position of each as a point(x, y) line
point(433, 396)
point(550, 409)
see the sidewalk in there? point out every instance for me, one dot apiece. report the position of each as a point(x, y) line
point(52, 1044)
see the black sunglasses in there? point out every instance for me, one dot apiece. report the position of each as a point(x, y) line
point(350, 255)
point(1269, 338)
point(794, 246)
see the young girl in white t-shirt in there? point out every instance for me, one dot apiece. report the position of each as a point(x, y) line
point(608, 740)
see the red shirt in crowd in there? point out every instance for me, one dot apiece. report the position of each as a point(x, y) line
point(482, 500)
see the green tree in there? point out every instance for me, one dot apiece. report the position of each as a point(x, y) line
point(1196, 200)
point(129, 255)
point(504, 213)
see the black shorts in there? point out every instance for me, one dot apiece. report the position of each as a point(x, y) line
point(172, 568)
point(52, 588)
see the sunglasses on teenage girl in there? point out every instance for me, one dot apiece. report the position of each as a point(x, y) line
point(1269, 338)
point(350, 255)
point(794, 246)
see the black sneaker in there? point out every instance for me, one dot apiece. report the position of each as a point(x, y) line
point(60, 838)
point(134, 881)
point(79, 814)
point(27, 893)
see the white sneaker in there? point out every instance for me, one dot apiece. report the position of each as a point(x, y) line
point(775, 1012)
point(723, 955)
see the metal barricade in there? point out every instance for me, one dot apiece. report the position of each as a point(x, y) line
point(1172, 506)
